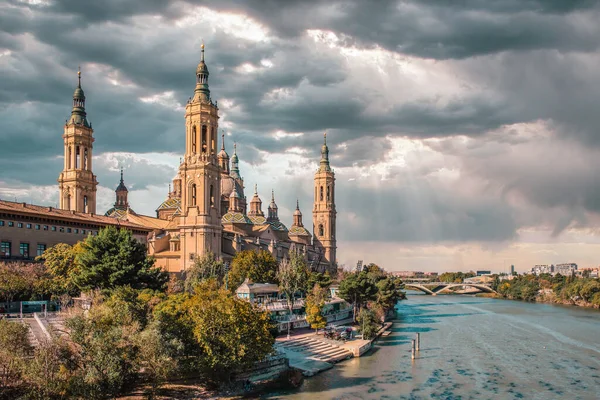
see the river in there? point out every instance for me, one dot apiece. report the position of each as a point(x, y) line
point(472, 348)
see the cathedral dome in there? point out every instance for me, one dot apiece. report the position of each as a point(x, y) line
point(227, 184)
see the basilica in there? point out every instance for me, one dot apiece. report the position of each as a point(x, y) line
point(206, 209)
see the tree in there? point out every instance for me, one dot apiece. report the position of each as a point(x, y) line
point(50, 372)
point(387, 294)
point(258, 266)
point(314, 304)
point(155, 356)
point(59, 261)
point(232, 334)
point(103, 343)
point(292, 276)
point(318, 278)
point(114, 258)
point(205, 267)
point(357, 289)
point(12, 281)
point(367, 323)
point(14, 346)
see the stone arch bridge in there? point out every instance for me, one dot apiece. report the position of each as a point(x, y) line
point(435, 288)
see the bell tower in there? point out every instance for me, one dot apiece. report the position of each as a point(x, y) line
point(76, 183)
point(324, 213)
point(200, 223)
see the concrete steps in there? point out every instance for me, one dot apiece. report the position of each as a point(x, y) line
point(315, 349)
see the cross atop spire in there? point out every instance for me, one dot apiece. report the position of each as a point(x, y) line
point(255, 189)
point(202, 51)
point(79, 76)
point(223, 140)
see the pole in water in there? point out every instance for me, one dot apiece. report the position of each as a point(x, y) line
point(412, 351)
point(418, 341)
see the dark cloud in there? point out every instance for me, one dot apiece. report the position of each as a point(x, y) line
point(516, 61)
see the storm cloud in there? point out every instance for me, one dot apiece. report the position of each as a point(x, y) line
point(448, 122)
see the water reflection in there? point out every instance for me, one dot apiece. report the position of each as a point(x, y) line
point(472, 348)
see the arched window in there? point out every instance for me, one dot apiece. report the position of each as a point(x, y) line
point(70, 157)
point(77, 158)
point(213, 140)
point(321, 230)
point(85, 159)
point(68, 201)
point(321, 196)
point(85, 204)
point(327, 193)
point(212, 196)
point(193, 194)
point(203, 143)
point(194, 139)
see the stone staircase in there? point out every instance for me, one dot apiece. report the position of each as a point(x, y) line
point(315, 349)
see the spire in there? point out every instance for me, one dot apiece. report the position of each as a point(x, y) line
point(78, 115)
point(223, 140)
point(324, 166)
point(297, 215)
point(202, 93)
point(121, 187)
point(273, 208)
point(235, 168)
point(223, 157)
point(255, 204)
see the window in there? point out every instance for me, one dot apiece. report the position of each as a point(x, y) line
point(77, 158)
point(28, 226)
point(37, 227)
point(62, 229)
point(85, 159)
point(321, 196)
point(321, 230)
point(5, 248)
point(83, 231)
point(11, 224)
point(327, 193)
point(24, 249)
point(76, 230)
point(1, 223)
point(212, 197)
point(70, 156)
point(53, 229)
point(203, 144)
point(68, 230)
point(194, 139)
point(41, 248)
point(193, 194)
point(85, 205)
point(19, 225)
point(45, 227)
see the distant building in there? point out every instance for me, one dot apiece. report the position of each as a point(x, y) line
point(409, 274)
point(480, 273)
point(512, 269)
point(565, 269)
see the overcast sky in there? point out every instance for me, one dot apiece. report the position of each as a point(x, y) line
point(464, 135)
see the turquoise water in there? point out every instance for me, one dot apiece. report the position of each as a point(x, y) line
point(472, 348)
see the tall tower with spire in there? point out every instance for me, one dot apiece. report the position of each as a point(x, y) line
point(121, 194)
point(200, 222)
point(324, 213)
point(77, 184)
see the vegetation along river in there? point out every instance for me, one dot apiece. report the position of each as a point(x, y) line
point(472, 348)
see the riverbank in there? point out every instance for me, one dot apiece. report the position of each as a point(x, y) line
point(544, 298)
point(471, 348)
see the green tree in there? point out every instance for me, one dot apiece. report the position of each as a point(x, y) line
point(357, 289)
point(388, 294)
point(205, 267)
point(318, 278)
point(258, 266)
point(314, 304)
point(232, 334)
point(292, 276)
point(14, 346)
point(114, 258)
point(59, 261)
point(368, 324)
point(104, 348)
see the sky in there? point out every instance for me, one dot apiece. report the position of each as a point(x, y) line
point(464, 135)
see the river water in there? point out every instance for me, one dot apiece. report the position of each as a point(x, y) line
point(472, 348)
